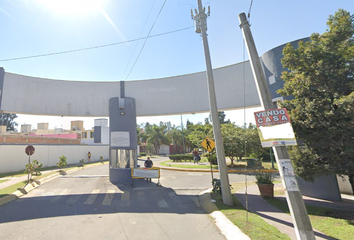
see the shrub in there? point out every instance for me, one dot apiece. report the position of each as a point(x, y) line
point(264, 178)
point(213, 159)
point(33, 168)
point(180, 157)
point(101, 159)
point(62, 162)
point(82, 163)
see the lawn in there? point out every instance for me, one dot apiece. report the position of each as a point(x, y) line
point(249, 223)
point(334, 223)
point(171, 163)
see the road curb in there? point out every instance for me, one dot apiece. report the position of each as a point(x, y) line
point(227, 228)
point(207, 170)
point(29, 187)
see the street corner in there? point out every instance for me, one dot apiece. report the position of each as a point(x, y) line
point(227, 228)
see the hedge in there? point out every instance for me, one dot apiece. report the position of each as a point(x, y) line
point(180, 157)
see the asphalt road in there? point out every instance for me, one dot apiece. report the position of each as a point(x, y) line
point(85, 205)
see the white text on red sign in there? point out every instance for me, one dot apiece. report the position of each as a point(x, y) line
point(272, 117)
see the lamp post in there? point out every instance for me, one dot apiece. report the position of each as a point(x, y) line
point(184, 147)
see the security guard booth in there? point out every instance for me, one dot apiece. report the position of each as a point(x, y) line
point(123, 139)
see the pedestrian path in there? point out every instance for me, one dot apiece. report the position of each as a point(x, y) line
point(279, 219)
point(14, 180)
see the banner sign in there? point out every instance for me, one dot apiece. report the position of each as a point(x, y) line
point(145, 172)
point(274, 127)
point(272, 117)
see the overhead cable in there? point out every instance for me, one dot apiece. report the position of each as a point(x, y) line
point(90, 48)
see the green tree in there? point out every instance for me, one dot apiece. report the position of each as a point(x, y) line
point(221, 116)
point(320, 82)
point(156, 135)
point(33, 168)
point(240, 142)
point(175, 136)
point(232, 136)
point(198, 132)
point(8, 120)
point(62, 162)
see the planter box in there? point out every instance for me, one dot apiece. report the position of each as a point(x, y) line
point(266, 190)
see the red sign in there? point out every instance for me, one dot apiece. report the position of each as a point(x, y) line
point(29, 150)
point(271, 117)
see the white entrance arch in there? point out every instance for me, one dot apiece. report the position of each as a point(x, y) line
point(185, 94)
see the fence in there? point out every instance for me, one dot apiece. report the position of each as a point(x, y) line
point(13, 157)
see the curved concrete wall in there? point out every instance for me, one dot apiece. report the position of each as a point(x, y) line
point(234, 85)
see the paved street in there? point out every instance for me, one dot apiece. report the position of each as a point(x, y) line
point(84, 204)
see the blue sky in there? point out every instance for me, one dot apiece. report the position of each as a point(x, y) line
point(40, 27)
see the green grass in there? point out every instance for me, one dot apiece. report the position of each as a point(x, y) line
point(249, 223)
point(3, 180)
point(170, 163)
point(334, 223)
point(11, 189)
point(268, 165)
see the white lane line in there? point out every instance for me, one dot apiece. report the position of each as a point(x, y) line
point(108, 198)
point(92, 197)
point(162, 203)
point(57, 197)
point(125, 199)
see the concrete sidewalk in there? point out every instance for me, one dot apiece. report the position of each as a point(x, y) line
point(279, 219)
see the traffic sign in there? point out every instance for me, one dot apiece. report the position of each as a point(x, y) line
point(208, 144)
point(29, 150)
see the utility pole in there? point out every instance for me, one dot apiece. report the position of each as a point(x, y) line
point(200, 21)
point(184, 146)
point(301, 220)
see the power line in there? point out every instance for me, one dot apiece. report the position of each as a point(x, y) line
point(141, 32)
point(95, 47)
point(146, 39)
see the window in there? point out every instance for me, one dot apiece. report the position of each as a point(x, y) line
point(84, 135)
point(92, 134)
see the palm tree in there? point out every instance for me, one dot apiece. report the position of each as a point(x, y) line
point(175, 135)
point(156, 136)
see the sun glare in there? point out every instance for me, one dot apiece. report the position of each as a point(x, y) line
point(72, 7)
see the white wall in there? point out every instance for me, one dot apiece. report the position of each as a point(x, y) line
point(105, 135)
point(344, 185)
point(13, 157)
point(164, 149)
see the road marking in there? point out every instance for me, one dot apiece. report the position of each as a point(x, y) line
point(73, 199)
point(92, 197)
point(172, 195)
point(195, 200)
point(162, 203)
point(108, 198)
point(56, 198)
point(125, 199)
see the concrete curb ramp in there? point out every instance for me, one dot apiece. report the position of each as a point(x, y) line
point(227, 228)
